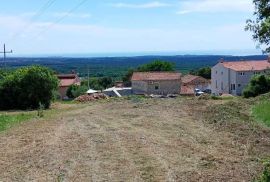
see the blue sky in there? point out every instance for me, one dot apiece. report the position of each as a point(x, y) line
point(113, 26)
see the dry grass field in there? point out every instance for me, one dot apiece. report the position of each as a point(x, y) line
point(137, 140)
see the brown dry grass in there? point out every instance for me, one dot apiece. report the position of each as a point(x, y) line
point(133, 140)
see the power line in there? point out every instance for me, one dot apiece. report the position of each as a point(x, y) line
point(38, 14)
point(63, 17)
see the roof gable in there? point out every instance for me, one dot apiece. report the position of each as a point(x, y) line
point(68, 79)
point(247, 65)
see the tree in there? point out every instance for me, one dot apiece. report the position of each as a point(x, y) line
point(28, 88)
point(157, 65)
point(258, 85)
point(203, 72)
point(127, 77)
point(261, 25)
point(99, 83)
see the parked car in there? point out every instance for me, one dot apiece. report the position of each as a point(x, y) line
point(208, 91)
point(198, 92)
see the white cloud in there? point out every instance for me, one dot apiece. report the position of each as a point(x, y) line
point(79, 38)
point(215, 6)
point(154, 4)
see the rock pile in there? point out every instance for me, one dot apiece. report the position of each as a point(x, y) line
point(92, 97)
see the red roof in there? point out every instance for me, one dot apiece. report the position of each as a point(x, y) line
point(247, 65)
point(68, 80)
point(187, 79)
point(152, 76)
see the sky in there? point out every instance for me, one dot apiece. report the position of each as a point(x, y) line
point(62, 27)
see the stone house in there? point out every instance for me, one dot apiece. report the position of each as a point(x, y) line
point(233, 77)
point(67, 80)
point(158, 83)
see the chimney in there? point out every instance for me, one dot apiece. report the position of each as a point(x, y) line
point(221, 60)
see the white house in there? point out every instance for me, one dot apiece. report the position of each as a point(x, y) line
point(233, 77)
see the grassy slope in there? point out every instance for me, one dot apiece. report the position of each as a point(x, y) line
point(261, 112)
point(10, 119)
point(243, 117)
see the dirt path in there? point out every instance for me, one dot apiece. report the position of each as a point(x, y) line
point(152, 140)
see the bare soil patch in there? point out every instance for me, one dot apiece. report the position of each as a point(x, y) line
point(127, 140)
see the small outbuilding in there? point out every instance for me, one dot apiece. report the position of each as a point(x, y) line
point(67, 80)
point(192, 82)
point(157, 83)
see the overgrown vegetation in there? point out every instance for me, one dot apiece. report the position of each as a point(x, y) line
point(258, 85)
point(27, 87)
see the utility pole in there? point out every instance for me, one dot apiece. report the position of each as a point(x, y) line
point(5, 52)
point(88, 81)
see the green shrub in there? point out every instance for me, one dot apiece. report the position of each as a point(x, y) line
point(258, 85)
point(265, 176)
point(75, 91)
point(27, 87)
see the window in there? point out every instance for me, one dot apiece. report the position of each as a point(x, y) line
point(216, 72)
point(222, 73)
point(239, 85)
point(242, 73)
point(216, 84)
point(232, 86)
point(156, 87)
point(221, 85)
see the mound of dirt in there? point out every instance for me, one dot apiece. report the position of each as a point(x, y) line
point(92, 97)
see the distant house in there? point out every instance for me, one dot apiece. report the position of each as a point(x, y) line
point(233, 77)
point(159, 83)
point(192, 82)
point(67, 80)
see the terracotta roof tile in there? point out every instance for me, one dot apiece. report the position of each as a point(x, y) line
point(152, 76)
point(188, 78)
point(247, 65)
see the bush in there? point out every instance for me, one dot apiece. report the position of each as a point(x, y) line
point(27, 88)
point(75, 91)
point(258, 85)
